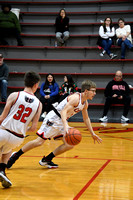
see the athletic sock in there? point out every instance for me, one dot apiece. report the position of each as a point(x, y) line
point(19, 153)
point(2, 167)
point(50, 156)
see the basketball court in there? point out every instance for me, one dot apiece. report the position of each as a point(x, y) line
point(89, 171)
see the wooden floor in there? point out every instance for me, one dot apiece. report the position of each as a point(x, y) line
point(88, 172)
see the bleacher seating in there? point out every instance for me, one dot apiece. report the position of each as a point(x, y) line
point(80, 56)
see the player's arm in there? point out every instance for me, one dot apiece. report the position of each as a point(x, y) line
point(10, 101)
point(35, 120)
point(73, 102)
point(88, 124)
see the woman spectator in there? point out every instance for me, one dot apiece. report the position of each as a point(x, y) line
point(49, 93)
point(106, 34)
point(123, 34)
point(68, 87)
point(62, 27)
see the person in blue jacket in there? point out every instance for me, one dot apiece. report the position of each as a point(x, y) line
point(49, 93)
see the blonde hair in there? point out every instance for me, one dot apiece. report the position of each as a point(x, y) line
point(87, 84)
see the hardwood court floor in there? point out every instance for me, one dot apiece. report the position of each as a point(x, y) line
point(88, 172)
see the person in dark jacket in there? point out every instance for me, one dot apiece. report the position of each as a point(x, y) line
point(49, 94)
point(117, 91)
point(68, 87)
point(4, 72)
point(62, 27)
point(9, 25)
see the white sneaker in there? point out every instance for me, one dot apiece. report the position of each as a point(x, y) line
point(102, 54)
point(6, 183)
point(124, 119)
point(103, 119)
point(112, 56)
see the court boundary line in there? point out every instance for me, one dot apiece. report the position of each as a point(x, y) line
point(91, 180)
point(76, 157)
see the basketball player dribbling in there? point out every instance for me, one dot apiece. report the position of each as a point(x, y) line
point(55, 124)
point(21, 108)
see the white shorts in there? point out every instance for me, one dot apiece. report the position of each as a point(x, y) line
point(8, 141)
point(51, 128)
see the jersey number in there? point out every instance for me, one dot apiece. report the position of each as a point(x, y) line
point(22, 113)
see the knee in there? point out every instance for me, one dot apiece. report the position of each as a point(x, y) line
point(58, 35)
point(38, 142)
point(4, 82)
point(66, 35)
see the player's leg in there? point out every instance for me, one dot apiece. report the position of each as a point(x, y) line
point(6, 183)
point(28, 146)
point(47, 161)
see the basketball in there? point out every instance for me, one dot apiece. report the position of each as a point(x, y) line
point(73, 137)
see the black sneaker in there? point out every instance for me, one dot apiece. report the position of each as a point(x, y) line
point(6, 183)
point(48, 164)
point(112, 56)
point(12, 160)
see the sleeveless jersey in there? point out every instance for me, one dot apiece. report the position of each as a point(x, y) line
point(62, 104)
point(21, 113)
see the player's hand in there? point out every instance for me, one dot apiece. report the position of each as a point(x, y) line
point(96, 138)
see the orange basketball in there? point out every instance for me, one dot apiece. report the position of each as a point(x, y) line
point(73, 137)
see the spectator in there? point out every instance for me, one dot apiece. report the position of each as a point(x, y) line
point(68, 87)
point(62, 27)
point(105, 40)
point(4, 72)
point(49, 93)
point(9, 25)
point(117, 91)
point(123, 34)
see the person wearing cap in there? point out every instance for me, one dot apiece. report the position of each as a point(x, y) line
point(9, 25)
point(4, 72)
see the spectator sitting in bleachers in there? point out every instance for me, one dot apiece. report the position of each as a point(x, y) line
point(9, 25)
point(49, 94)
point(105, 39)
point(123, 34)
point(117, 92)
point(68, 87)
point(62, 27)
point(4, 72)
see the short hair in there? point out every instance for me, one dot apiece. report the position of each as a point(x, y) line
point(87, 84)
point(6, 5)
point(121, 19)
point(31, 78)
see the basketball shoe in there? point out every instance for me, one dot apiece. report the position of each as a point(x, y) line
point(103, 119)
point(49, 164)
point(124, 119)
point(6, 183)
point(12, 160)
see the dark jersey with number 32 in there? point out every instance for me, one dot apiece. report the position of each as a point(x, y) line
point(21, 113)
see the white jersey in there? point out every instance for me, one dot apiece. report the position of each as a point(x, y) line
point(21, 113)
point(52, 125)
point(62, 104)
